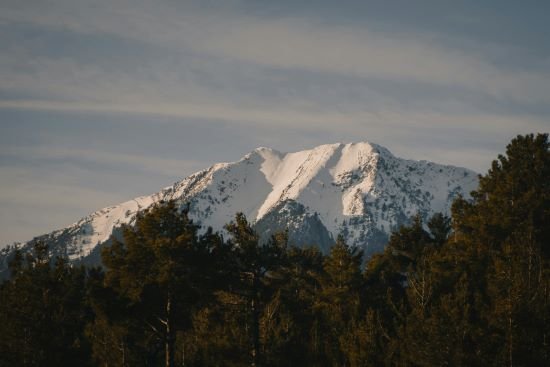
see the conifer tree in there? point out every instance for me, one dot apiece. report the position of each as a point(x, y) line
point(42, 312)
point(339, 297)
point(254, 268)
point(293, 332)
point(159, 271)
point(507, 229)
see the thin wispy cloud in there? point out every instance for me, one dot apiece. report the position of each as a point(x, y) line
point(277, 43)
point(307, 118)
point(148, 164)
point(363, 53)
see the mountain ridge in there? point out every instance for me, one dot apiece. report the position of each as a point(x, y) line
point(360, 190)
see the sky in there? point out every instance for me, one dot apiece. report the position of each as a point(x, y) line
point(105, 100)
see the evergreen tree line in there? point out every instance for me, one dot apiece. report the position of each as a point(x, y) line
point(470, 290)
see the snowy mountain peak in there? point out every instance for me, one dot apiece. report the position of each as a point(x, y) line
point(360, 190)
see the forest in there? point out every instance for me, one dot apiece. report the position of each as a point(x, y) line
point(472, 289)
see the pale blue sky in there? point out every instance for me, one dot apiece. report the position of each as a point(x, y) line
point(104, 100)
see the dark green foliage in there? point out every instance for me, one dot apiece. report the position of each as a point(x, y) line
point(339, 298)
point(43, 312)
point(471, 290)
point(507, 228)
point(153, 282)
point(255, 273)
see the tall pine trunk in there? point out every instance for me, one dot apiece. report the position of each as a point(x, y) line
point(255, 323)
point(169, 341)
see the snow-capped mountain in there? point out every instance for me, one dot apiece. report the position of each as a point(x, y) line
point(358, 190)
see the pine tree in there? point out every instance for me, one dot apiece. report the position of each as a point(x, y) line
point(43, 312)
point(506, 229)
point(254, 268)
point(292, 332)
point(159, 272)
point(339, 297)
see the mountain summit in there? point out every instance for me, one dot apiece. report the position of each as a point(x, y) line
point(359, 190)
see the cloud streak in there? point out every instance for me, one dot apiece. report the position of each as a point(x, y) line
point(151, 165)
point(310, 117)
point(290, 43)
point(302, 44)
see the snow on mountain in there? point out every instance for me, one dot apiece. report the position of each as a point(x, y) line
point(359, 190)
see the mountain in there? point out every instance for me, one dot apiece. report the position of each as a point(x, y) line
point(359, 190)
